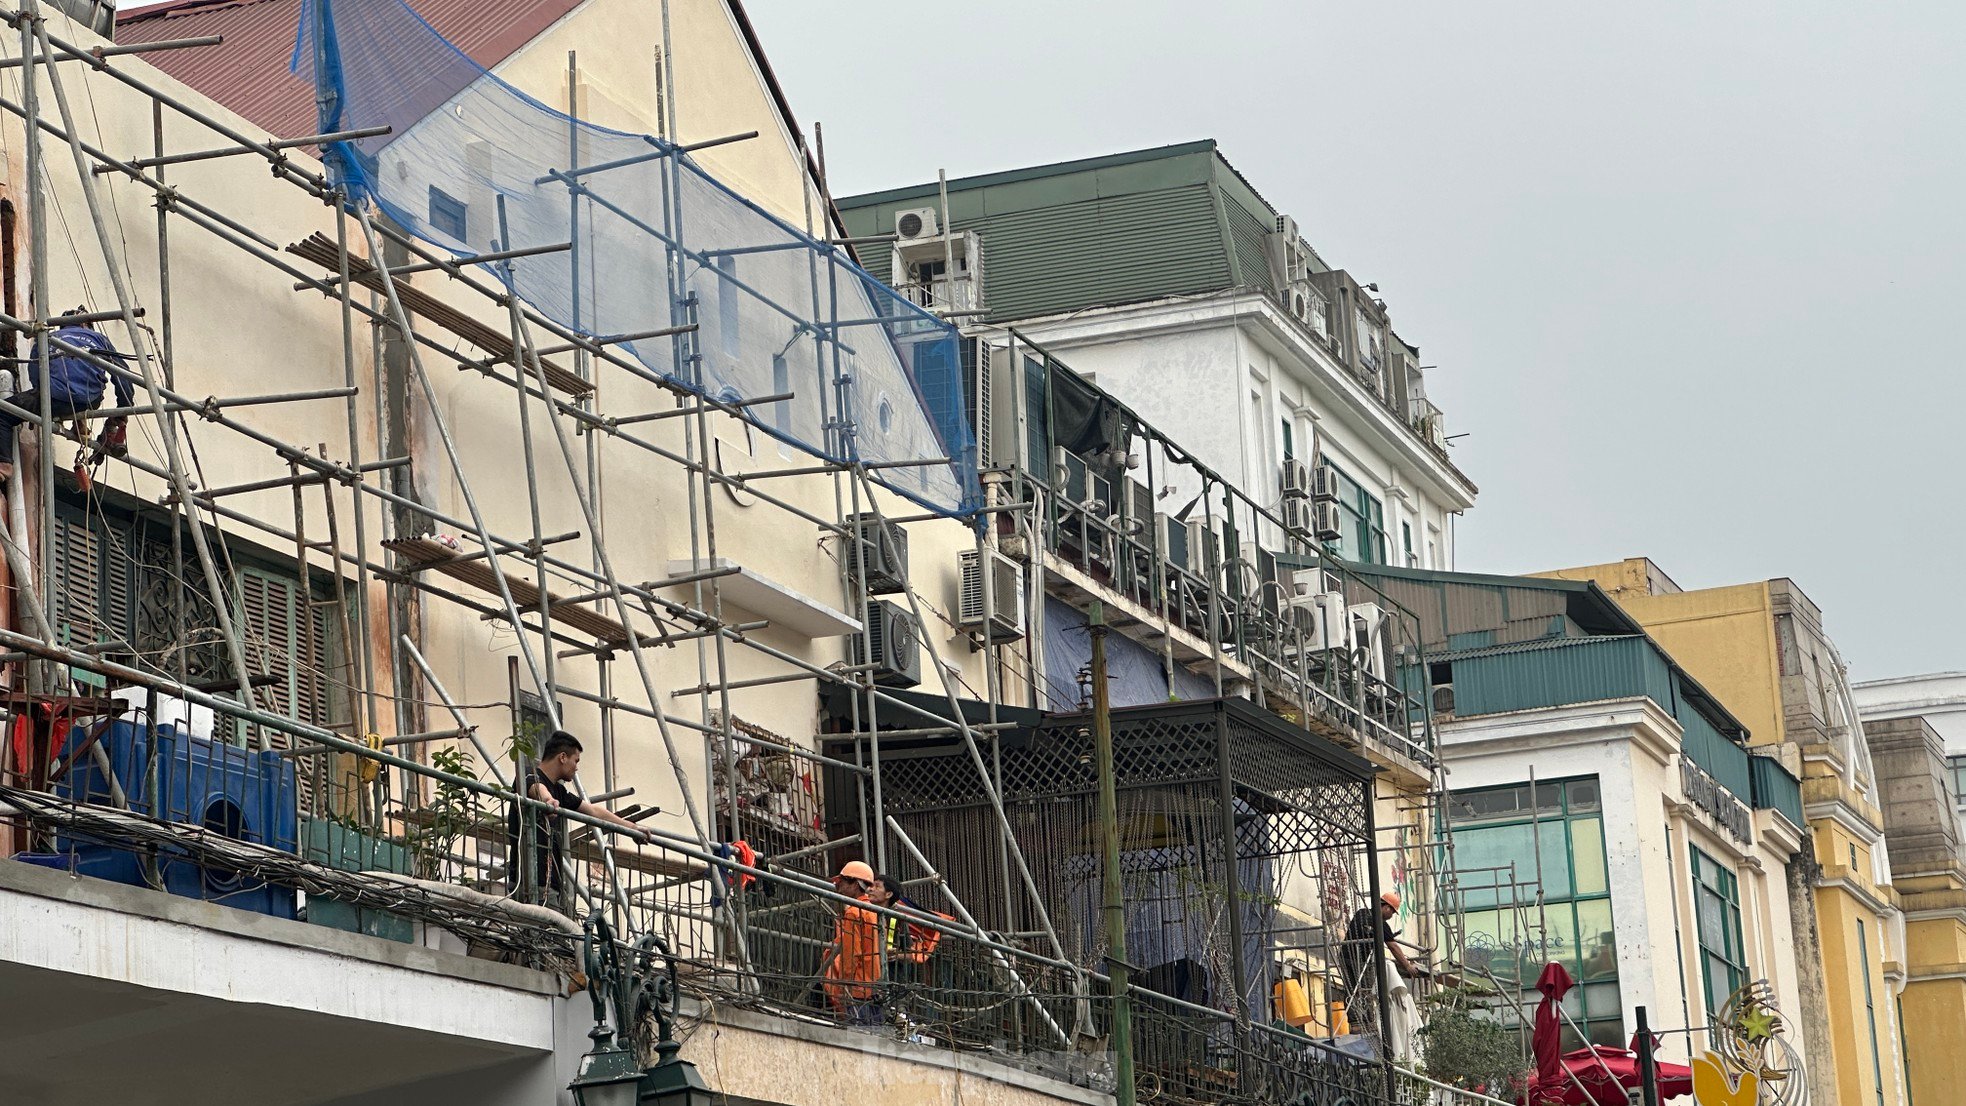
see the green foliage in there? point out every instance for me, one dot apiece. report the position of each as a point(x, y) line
point(525, 742)
point(453, 810)
point(1474, 1052)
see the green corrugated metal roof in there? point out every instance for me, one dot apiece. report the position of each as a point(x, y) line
point(932, 190)
point(1591, 611)
point(1531, 646)
point(1124, 228)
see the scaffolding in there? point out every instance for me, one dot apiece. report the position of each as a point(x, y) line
point(331, 678)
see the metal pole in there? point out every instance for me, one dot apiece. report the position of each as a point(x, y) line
point(1117, 967)
point(402, 319)
point(365, 646)
point(1379, 942)
point(540, 579)
point(167, 429)
point(1016, 980)
point(1648, 1070)
point(969, 742)
point(37, 223)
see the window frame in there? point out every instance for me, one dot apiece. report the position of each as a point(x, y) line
point(1726, 888)
point(1365, 515)
point(1562, 914)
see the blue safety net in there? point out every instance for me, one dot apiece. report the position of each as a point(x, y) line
point(474, 166)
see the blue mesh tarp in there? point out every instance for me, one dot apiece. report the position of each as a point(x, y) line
point(473, 165)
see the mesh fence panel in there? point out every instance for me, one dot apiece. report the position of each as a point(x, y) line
point(474, 165)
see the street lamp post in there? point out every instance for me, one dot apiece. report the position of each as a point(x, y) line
point(610, 1075)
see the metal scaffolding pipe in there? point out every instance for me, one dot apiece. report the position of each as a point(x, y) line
point(95, 55)
point(229, 151)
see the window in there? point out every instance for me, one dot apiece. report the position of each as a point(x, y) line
point(1289, 446)
point(1717, 907)
point(117, 578)
point(1958, 774)
point(1406, 542)
point(1363, 535)
point(1870, 1011)
point(1559, 830)
point(448, 214)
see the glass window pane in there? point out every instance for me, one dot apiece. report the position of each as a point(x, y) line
point(1610, 1034)
point(1493, 940)
point(1601, 1000)
point(1713, 921)
point(1599, 943)
point(1587, 861)
point(1583, 795)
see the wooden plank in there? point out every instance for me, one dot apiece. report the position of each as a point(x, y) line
point(478, 572)
point(496, 343)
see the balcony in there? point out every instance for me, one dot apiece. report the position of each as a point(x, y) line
point(1230, 817)
point(1202, 577)
point(942, 296)
point(1426, 420)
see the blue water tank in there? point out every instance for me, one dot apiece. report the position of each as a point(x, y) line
point(227, 790)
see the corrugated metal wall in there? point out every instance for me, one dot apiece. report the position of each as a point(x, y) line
point(1110, 250)
point(1250, 236)
point(1582, 670)
point(1589, 669)
point(1136, 228)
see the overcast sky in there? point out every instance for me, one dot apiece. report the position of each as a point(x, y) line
point(1690, 272)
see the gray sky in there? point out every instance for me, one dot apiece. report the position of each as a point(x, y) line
point(1688, 270)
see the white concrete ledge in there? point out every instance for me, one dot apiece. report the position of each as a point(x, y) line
point(132, 935)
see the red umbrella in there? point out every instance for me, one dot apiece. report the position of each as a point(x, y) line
point(1600, 1076)
point(1555, 982)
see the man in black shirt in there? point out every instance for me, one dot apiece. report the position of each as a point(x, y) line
point(1361, 983)
point(559, 761)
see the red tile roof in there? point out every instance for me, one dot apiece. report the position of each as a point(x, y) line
point(250, 73)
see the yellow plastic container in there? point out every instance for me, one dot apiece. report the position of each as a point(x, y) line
point(1293, 1009)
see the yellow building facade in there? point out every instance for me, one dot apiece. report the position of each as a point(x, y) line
point(1760, 648)
point(1914, 726)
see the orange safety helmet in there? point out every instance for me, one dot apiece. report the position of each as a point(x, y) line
point(856, 869)
point(1390, 898)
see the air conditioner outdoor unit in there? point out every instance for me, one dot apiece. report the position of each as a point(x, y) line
point(1287, 228)
point(1070, 475)
point(980, 387)
point(878, 552)
point(919, 222)
point(1299, 516)
point(1203, 543)
point(1315, 581)
point(1321, 618)
point(1443, 699)
point(1243, 576)
point(1099, 496)
point(1324, 482)
point(893, 643)
point(1327, 521)
point(1138, 503)
point(1368, 622)
point(1007, 587)
point(1295, 478)
point(1174, 542)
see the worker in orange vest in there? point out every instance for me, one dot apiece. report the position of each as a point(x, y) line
point(907, 942)
point(851, 967)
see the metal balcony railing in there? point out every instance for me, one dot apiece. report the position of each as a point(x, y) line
point(1315, 672)
point(421, 850)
